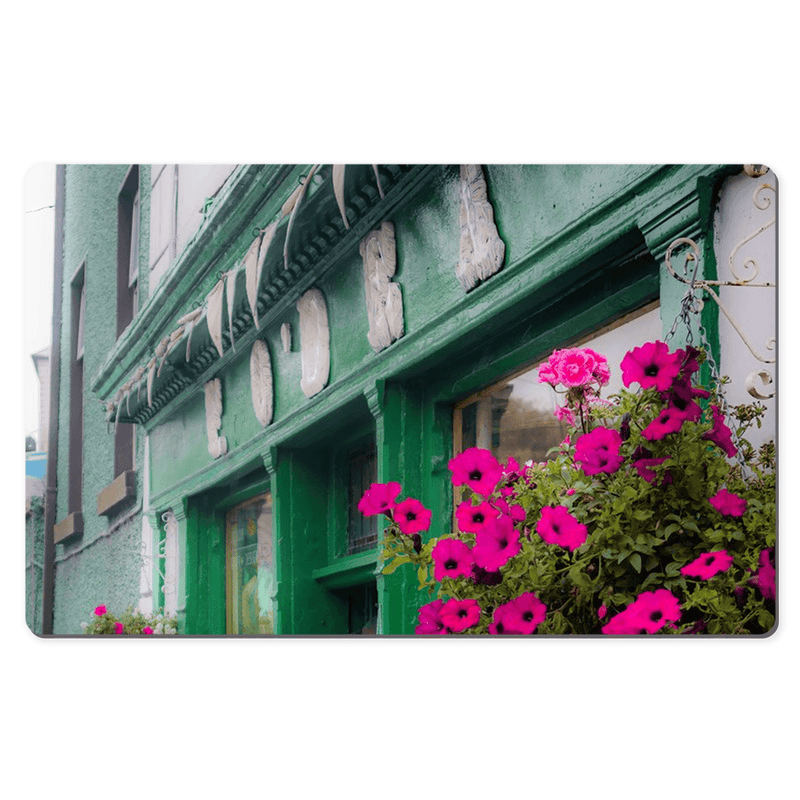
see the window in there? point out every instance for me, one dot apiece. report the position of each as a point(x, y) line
point(250, 567)
point(75, 482)
point(362, 532)
point(128, 250)
point(515, 416)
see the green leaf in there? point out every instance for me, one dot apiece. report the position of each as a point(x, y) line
point(636, 562)
point(393, 565)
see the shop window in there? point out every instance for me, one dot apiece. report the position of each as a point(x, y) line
point(362, 531)
point(362, 608)
point(250, 567)
point(128, 250)
point(515, 417)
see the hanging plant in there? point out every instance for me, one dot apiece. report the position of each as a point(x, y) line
point(640, 523)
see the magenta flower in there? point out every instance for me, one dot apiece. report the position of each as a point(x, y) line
point(564, 414)
point(147, 630)
point(521, 615)
point(496, 544)
point(119, 627)
point(430, 619)
point(412, 516)
point(670, 420)
point(478, 469)
point(644, 466)
point(602, 611)
point(452, 559)
point(100, 610)
point(598, 451)
point(472, 519)
point(681, 397)
point(458, 615)
point(625, 623)
point(516, 511)
point(575, 366)
point(548, 372)
point(558, 526)
point(651, 365)
point(380, 498)
point(720, 433)
point(764, 580)
point(657, 609)
point(707, 565)
point(728, 504)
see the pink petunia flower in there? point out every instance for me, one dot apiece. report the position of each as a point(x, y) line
point(707, 565)
point(472, 519)
point(670, 420)
point(478, 469)
point(380, 498)
point(147, 630)
point(651, 365)
point(657, 609)
point(720, 433)
point(521, 615)
point(625, 623)
point(496, 544)
point(119, 627)
point(602, 611)
point(430, 619)
point(100, 610)
point(764, 580)
point(412, 516)
point(515, 511)
point(728, 504)
point(557, 526)
point(598, 451)
point(458, 615)
point(452, 559)
point(681, 396)
point(644, 466)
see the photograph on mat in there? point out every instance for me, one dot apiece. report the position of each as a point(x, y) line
point(402, 400)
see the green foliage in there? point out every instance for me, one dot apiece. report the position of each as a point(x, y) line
point(133, 622)
point(640, 533)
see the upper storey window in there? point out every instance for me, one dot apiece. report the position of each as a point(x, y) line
point(128, 250)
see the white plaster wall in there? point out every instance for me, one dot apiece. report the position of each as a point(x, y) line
point(196, 183)
point(744, 206)
point(146, 575)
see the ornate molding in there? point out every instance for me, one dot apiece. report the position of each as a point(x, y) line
point(384, 298)
point(217, 445)
point(261, 382)
point(286, 337)
point(481, 250)
point(315, 348)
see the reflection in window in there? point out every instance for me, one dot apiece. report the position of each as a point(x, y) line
point(516, 417)
point(250, 574)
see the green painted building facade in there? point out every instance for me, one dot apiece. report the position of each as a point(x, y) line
point(221, 460)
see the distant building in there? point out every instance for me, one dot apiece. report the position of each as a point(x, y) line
point(244, 349)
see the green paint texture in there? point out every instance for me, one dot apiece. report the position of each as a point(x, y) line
point(584, 244)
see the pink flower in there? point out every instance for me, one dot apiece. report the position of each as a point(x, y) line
point(412, 516)
point(516, 511)
point(100, 610)
point(478, 469)
point(720, 433)
point(651, 365)
point(764, 580)
point(564, 414)
point(458, 615)
point(680, 396)
point(575, 366)
point(475, 518)
point(602, 611)
point(727, 503)
point(558, 526)
point(379, 499)
point(650, 612)
point(548, 373)
point(496, 544)
point(521, 615)
point(430, 619)
point(570, 492)
point(147, 630)
point(644, 467)
point(670, 420)
point(707, 565)
point(601, 372)
point(119, 627)
point(452, 559)
point(598, 451)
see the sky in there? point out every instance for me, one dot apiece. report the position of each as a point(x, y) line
point(37, 313)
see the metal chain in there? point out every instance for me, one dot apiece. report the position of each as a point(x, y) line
point(691, 307)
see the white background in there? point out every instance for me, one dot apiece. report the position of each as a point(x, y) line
point(452, 82)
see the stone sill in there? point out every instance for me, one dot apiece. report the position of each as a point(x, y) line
point(71, 525)
point(120, 489)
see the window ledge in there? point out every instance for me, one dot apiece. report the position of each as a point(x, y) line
point(71, 525)
point(120, 489)
point(349, 571)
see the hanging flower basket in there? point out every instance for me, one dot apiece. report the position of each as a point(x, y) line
point(647, 519)
point(131, 623)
